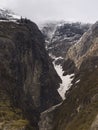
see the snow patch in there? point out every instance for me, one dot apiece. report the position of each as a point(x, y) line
point(56, 58)
point(66, 81)
point(52, 108)
point(77, 81)
point(15, 16)
point(9, 21)
point(52, 56)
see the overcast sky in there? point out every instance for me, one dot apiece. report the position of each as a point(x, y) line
point(42, 10)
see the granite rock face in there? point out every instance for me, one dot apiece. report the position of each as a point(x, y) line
point(27, 77)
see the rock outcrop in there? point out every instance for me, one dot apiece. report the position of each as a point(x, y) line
point(28, 81)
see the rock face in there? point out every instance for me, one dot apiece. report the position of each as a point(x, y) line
point(85, 47)
point(84, 51)
point(28, 81)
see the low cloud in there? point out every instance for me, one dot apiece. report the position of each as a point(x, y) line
point(41, 10)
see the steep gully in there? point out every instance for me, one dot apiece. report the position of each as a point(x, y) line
point(56, 35)
point(47, 117)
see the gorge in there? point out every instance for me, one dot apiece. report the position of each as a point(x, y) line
point(48, 78)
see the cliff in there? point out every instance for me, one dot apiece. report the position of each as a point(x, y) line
point(28, 81)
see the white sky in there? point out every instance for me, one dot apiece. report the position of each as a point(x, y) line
point(41, 10)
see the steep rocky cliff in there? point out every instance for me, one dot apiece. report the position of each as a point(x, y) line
point(28, 81)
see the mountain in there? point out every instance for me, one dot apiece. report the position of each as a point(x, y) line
point(28, 80)
point(61, 35)
point(79, 110)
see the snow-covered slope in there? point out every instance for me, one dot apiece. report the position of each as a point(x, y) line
point(6, 14)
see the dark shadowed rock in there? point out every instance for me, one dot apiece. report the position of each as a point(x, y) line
point(27, 77)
